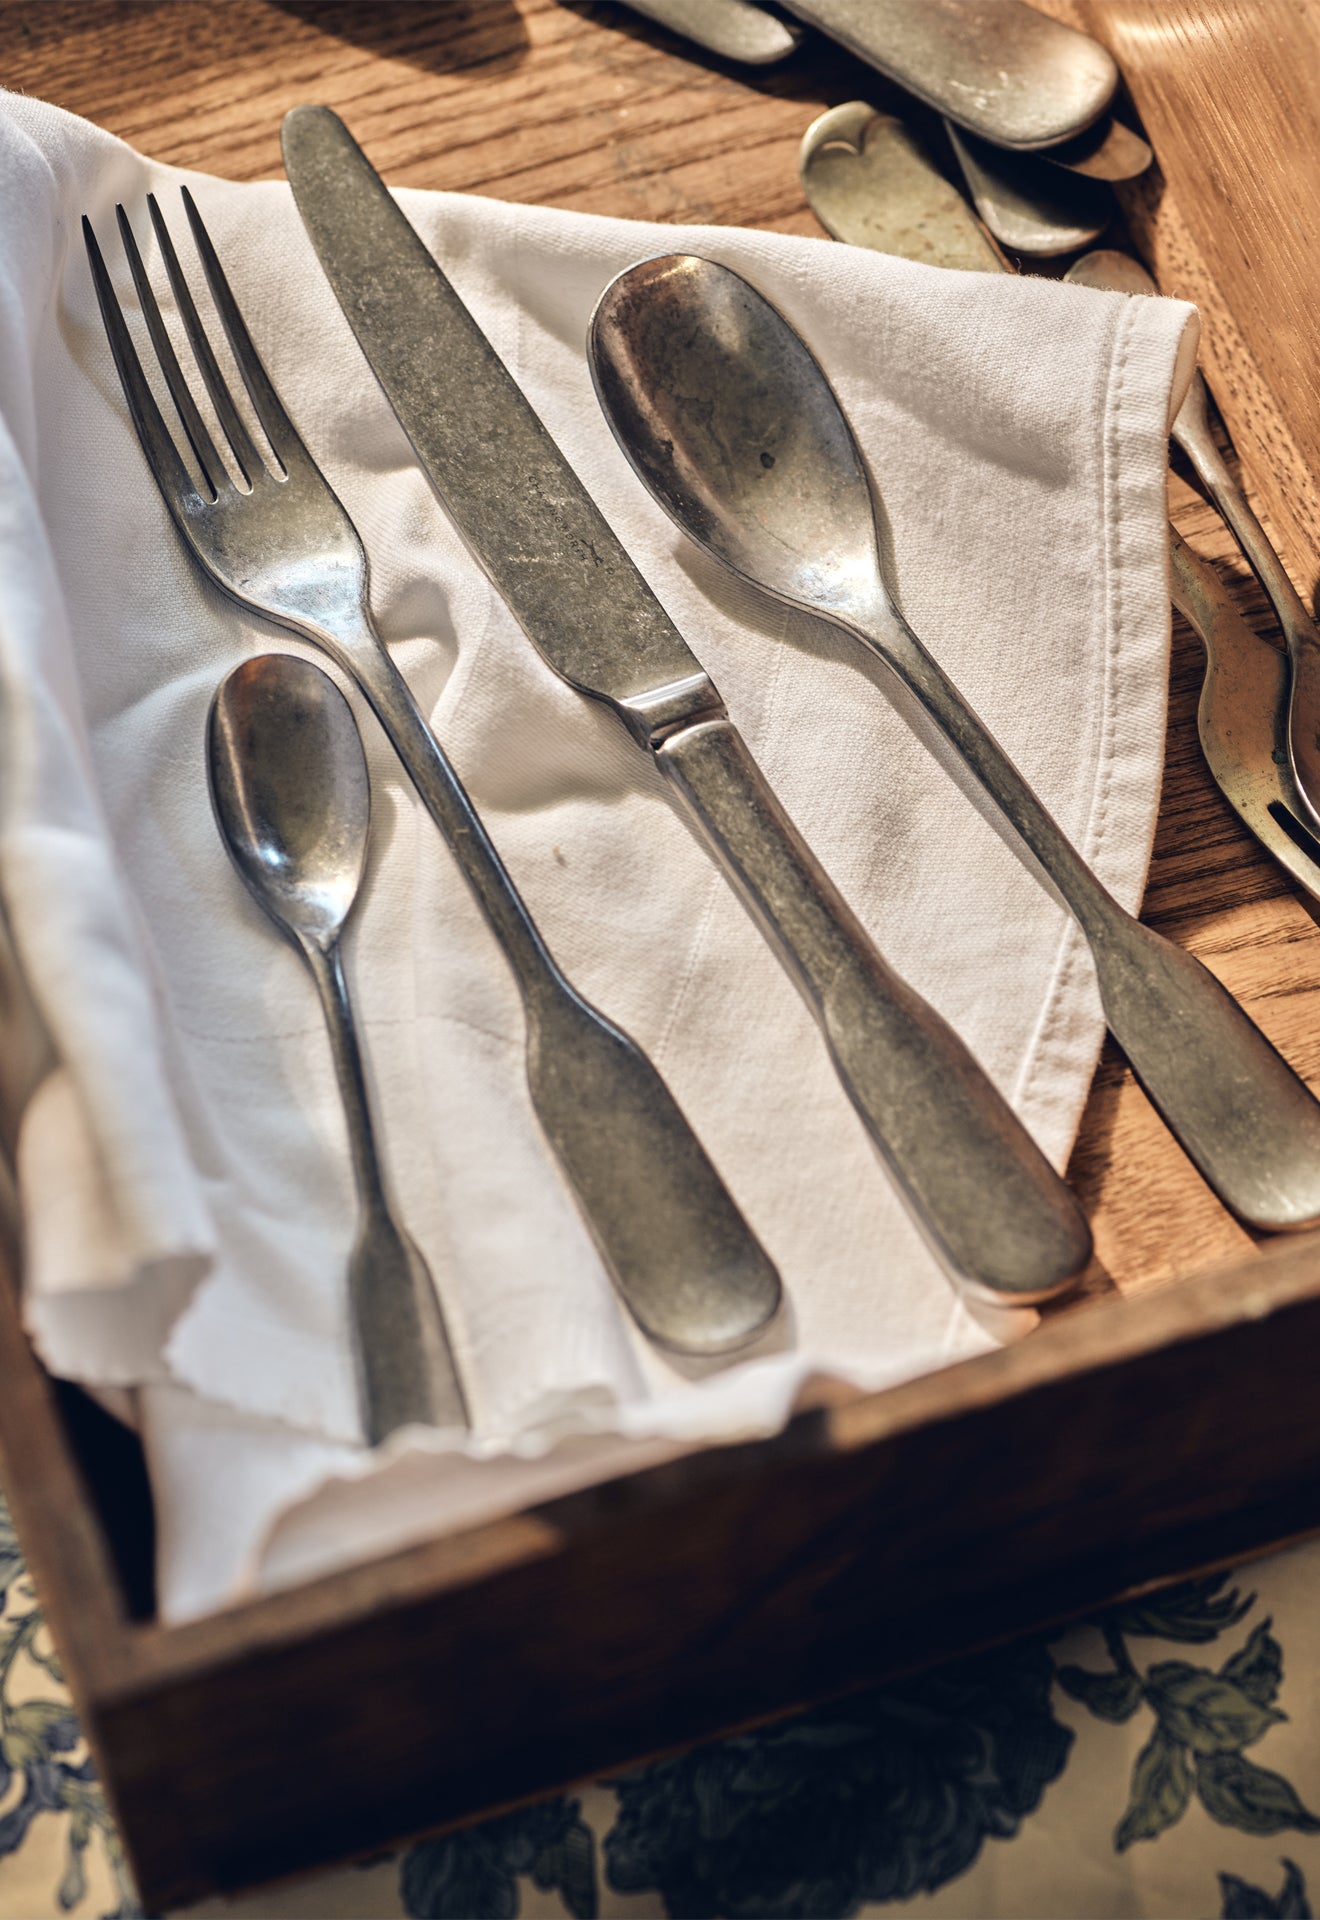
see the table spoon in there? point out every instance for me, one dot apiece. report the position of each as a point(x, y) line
point(1191, 430)
point(730, 422)
point(289, 786)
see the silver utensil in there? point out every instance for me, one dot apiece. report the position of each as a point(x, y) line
point(1242, 718)
point(289, 787)
point(735, 29)
point(998, 68)
point(1192, 432)
point(998, 1215)
point(1028, 206)
point(679, 1252)
point(870, 182)
point(730, 422)
point(1107, 151)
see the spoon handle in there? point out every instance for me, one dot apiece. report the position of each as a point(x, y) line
point(685, 1262)
point(1246, 1120)
point(1191, 430)
point(1003, 1222)
point(404, 1364)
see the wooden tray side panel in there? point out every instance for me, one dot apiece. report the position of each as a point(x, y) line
point(723, 1589)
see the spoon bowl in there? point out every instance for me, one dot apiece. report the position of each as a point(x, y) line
point(726, 416)
point(290, 791)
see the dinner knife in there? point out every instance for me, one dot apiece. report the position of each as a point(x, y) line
point(1001, 1220)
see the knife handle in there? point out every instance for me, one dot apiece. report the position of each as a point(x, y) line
point(1003, 1223)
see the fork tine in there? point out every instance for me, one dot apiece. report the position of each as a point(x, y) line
point(204, 448)
point(231, 420)
point(280, 430)
point(173, 478)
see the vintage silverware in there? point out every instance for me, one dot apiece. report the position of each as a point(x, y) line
point(730, 422)
point(735, 29)
point(1242, 718)
point(289, 786)
point(1192, 432)
point(1002, 70)
point(1028, 206)
point(870, 182)
point(1107, 151)
point(999, 1216)
point(680, 1253)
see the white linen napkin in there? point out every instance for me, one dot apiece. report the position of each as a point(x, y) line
point(183, 1169)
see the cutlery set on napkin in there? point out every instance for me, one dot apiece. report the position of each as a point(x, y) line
point(202, 1227)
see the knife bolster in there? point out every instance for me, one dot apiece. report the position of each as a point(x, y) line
point(655, 715)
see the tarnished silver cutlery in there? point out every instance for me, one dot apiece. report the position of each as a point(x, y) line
point(998, 1215)
point(1032, 208)
point(735, 29)
point(887, 193)
point(289, 786)
point(681, 1255)
point(1242, 718)
point(1000, 68)
point(871, 182)
point(731, 423)
point(1192, 432)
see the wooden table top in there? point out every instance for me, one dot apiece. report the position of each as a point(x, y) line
point(562, 103)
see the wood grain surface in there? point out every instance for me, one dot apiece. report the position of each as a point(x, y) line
point(588, 106)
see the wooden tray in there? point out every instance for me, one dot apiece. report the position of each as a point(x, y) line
point(1147, 1431)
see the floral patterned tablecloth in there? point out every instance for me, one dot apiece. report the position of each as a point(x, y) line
point(1162, 1760)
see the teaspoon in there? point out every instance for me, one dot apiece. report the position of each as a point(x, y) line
point(292, 801)
point(730, 422)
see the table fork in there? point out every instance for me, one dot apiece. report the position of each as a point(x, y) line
point(682, 1257)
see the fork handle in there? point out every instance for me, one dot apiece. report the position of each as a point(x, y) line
point(1004, 1224)
point(685, 1262)
point(446, 799)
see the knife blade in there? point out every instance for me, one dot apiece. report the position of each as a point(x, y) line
point(1000, 1219)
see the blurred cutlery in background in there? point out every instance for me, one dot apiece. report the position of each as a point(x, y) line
point(999, 68)
point(1002, 1222)
point(735, 29)
point(871, 182)
point(1242, 717)
point(1193, 433)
